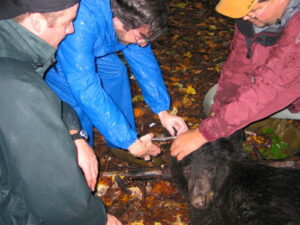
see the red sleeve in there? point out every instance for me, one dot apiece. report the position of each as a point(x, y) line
point(273, 84)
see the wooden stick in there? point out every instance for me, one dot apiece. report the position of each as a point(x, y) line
point(137, 173)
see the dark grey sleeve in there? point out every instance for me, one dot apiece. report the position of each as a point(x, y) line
point(69, 117)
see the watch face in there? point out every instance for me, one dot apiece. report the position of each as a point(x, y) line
point(84, 134)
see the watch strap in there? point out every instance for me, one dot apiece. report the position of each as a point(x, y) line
point(80, 135)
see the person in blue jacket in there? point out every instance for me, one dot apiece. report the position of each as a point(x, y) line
point(91, 77)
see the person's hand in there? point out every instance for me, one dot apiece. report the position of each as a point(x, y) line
point(170, 122)
point(186, 143)
point(87, 161)
point(144, 148)
point(112, 220)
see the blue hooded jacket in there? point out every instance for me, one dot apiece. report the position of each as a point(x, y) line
point(87, 57)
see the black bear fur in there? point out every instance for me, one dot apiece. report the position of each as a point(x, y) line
point(225, 187)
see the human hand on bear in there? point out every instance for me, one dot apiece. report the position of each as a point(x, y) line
point(186, 143)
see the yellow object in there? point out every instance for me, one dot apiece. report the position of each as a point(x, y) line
point(235, 8)
point(137, 223)
point(190, 90)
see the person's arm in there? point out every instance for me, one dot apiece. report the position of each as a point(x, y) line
point(87, 160)
point(42, 156)
point(272, 86)
point(76, 56)
point(86, 157)
point(146, 70)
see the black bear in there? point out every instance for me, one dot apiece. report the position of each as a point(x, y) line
point(225, 187)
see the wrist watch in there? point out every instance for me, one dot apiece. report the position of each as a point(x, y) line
point(82, 134)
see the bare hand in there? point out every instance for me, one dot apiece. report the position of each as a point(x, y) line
point(186, 143)
point(112, 220)
point(170, 122)
point(87, 161)
point(144, 148)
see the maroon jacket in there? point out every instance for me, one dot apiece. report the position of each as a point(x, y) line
point(253, 88)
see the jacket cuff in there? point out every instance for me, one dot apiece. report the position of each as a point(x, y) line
point(69, 117)
point(205, 132)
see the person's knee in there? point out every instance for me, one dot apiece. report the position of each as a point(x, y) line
point(209, 99)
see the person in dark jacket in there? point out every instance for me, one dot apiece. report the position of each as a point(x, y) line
point(41, 180)
point(261, 75)
point(91, 77)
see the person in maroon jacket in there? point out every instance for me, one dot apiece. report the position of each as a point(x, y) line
point(261, 75)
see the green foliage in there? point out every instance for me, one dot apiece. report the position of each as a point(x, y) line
point(276, 147)
point(181, 5)
point(246, 147)
point(269, 145)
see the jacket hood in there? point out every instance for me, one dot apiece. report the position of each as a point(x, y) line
point(18, 43)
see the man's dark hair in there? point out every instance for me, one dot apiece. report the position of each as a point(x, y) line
point(137, 13)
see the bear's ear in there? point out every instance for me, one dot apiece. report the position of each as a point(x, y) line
point(236, 140)
point(238, 136)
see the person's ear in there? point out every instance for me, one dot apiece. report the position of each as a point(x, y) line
point(144, 29)
point(38, 22)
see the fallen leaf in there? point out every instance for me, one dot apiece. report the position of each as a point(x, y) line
point(138, 112)
point(167, 68)
point(101, 189)
point(187, 102)
point(178, 220)
point(174, 110)
point(136, 192)
point(137, 223)
point(162, 187)
point(217, 68)
point(176, 103)
point(188, 54)
point(258, 139)
point(175, 79)
point(182, 90)
point(177, 84)
point(198, 5)
point(190, 90)
point(181, 5)
point(125, 198)
point(137, 98)
point(197, 71)
point(212, 27)
point(150, 201)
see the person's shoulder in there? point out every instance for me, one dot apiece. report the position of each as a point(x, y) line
point(90, 16)
point(89, 9)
